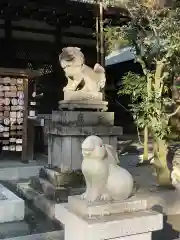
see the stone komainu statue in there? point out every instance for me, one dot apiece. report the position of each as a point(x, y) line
point(105, 180)
point(79, 75)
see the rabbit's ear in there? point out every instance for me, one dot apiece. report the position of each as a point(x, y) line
point(112, 155)
point(78, 48)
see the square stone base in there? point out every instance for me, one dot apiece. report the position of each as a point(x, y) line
point(64, 144)
point(101, 208)
point(81, 96)
point(69, 235)
point(11, 206)
point(144, 236)
point(126, 226)
point(67, 131)
point(83, 104)
point(83, 118)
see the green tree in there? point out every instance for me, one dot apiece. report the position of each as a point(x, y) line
point(135, 86)
point(154, 33)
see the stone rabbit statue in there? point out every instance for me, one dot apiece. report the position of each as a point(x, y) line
point(105, 180)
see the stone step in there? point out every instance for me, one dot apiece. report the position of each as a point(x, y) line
point(14, 229)
point(136, 225)
point(11, 206)
point(15, 172)
point(58, 177)
point(57, 194)
point(174, 221)
point(55, 235)
point(40, 201)
point(51, 192)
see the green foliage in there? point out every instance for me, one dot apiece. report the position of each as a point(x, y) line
point(147, 111)
point(133, 85)
point(155, 35)
point(115, 38)
point(151, 114)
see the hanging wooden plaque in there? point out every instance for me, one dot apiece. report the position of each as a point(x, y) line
point(7, 108)
point(7, 80)
point(10, 94)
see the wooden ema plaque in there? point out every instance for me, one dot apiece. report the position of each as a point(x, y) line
point(14, 110)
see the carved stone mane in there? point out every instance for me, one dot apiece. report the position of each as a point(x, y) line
point(79, 75)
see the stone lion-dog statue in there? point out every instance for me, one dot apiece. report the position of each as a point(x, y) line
point(79, 75)
point(105, 180)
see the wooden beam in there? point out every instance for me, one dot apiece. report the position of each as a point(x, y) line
point(18, 72)
point(33, 36)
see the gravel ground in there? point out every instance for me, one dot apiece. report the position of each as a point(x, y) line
point(145, 178)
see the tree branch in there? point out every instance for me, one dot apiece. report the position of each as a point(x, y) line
point(175, 112)
point(164, 76)
point(143, 65)
point(158, 74)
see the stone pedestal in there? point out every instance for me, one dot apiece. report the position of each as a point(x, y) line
point(11, 206)
point(68, 129)
point(121, 226)
point(101, 208)
point(83, 104)
point(83, 100)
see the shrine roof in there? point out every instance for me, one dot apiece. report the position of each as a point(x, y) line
point(64, 12)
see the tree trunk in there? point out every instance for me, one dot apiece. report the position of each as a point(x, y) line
point(149, 92)
point(160, 163)
point(145, 153)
